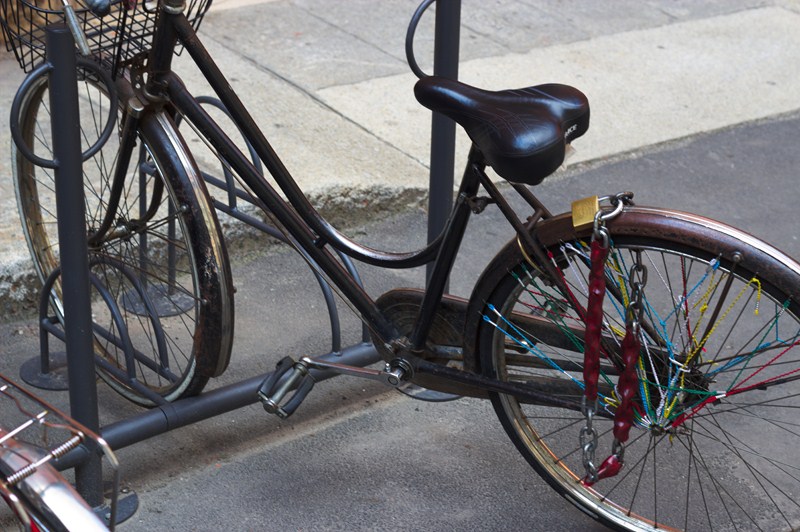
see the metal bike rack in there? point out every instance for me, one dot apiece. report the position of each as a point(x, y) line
point(61, 68)
point(443, 129)
point(78, 329)
point(70, 206)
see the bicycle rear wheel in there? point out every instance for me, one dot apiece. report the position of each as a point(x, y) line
point(162, 304)
point(716, 414)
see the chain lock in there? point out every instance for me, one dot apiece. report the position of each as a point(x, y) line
point(633, 317)
point(588, 437)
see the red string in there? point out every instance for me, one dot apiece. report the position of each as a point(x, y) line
point(739, 388)
point(735, 388)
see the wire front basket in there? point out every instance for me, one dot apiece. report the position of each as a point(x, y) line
point(115, 39)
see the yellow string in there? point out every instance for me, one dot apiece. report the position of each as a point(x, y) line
point(647, 404)
point(703, 300)
point(620, 280)
point(753, 281)
point(758, 294)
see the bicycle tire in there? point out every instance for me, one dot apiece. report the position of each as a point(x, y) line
point(713, 469)
point(44, 499)
point(173, 292)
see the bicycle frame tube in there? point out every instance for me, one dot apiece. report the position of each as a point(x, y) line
point(305, 225)
point(307, 230)
point(327, 234)
point(268, 199)
point(454, 231)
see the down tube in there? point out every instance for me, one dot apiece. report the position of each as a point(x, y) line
point(286, 183)
point(272, 202)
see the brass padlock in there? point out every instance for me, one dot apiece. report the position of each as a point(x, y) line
point(583, 212)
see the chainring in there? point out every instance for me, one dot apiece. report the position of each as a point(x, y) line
point(401, 307)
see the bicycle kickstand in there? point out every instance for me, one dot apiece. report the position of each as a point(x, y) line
point(290, 375)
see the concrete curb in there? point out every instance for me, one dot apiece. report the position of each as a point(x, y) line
point(352, 137)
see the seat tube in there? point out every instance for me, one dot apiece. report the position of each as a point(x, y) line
point(453, 234)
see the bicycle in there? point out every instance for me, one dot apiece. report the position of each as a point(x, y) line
point(38, 495)
point(690, 325)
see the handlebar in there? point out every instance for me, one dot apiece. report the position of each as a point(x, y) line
point(75, 28)
point(99, 8)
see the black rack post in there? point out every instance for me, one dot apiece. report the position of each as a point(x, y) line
point(71, 215)
point(443, 130)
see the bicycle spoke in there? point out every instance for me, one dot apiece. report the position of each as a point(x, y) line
point(718, 367)
point(146, 263)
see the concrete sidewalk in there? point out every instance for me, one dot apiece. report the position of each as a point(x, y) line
point(329, 85)
point(328, 82)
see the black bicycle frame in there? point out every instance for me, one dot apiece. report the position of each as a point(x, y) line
point(307, 228)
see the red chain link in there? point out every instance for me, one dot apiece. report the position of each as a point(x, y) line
point(628, 381)
point(594, 320)
point(609, 468)
point(626, 387)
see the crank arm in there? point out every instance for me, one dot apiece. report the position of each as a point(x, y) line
point(392, 375)
point(285, 388)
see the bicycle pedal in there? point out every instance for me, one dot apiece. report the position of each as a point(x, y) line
point(288, 375)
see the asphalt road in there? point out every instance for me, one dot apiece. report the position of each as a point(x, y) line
point(356, 457)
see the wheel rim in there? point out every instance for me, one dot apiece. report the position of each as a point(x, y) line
point(158, 311)
point(711, 471)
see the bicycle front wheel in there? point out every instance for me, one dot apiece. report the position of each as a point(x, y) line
point(162, 302)
point(716, 421)
point(44, 500)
